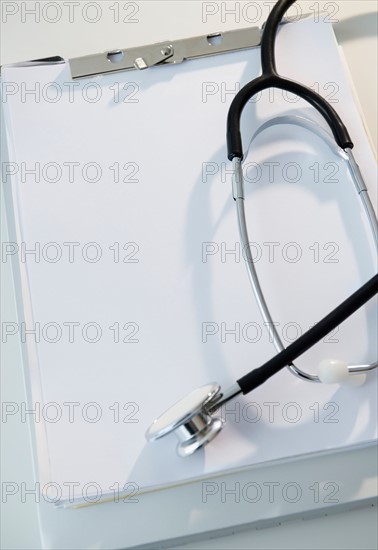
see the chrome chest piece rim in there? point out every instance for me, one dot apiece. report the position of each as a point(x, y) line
point(190, 420)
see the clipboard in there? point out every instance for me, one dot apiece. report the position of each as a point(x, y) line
point(225, 250)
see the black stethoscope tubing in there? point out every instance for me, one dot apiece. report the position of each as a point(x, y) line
point(271, 79)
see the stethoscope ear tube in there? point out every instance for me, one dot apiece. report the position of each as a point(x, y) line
point(271, 79)
point(258, 376)
point(234, 141)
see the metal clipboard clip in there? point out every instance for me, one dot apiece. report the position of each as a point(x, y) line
point(164, 53)
point(167, 53)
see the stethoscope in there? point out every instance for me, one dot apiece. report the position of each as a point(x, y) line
point(191, 418)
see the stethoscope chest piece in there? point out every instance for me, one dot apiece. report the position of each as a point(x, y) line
point(190, 420)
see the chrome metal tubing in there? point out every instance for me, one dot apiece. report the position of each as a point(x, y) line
point(238, 194)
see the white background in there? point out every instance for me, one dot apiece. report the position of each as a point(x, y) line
point(22, 38)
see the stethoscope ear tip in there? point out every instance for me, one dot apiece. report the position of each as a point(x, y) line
point(335, 371)
point(190, 420)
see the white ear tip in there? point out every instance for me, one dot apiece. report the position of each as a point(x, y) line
point(333, 371)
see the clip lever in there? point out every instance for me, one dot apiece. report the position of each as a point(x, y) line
point(154, 57)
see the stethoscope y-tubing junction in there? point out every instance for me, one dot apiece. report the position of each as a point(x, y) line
point(271, 79)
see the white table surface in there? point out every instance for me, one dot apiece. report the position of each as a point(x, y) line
point(21, 39)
